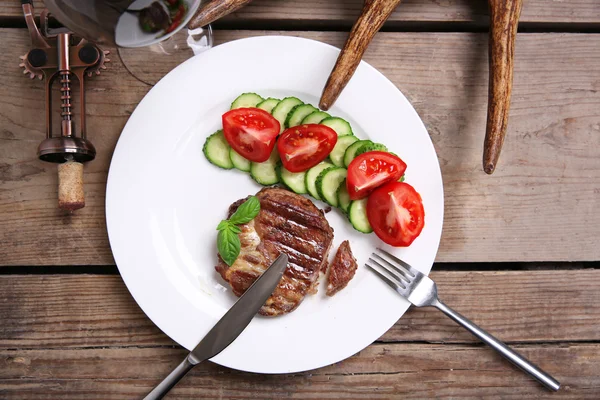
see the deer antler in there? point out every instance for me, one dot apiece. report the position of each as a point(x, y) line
point(504, 19)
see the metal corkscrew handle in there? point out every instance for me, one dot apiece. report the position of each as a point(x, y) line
point(59, 58)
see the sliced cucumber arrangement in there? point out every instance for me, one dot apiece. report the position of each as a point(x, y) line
point(265, 172)
point(216, 150)
point(325, 181)
point(369, 147)
point(337, 154)
point(283, 108)
point(343, 197)
point(311, 178)
point(315, 117)
point(340, 126)
point(238, 161)
point(295, 181)
point(352, 149)
point(357, 213)
point(328, 183)
point(246, 100)
point(298, 113)
point(268, 105)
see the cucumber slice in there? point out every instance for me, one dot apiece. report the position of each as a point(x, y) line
point(343, 197)
point(298, 113)
point(264, 172)
point(351, 151)
point(216, 150)
point(315, 117)
point(238, 161)
point(328, 182)
point(337, 154)
point(246, 100)
point(268, 105)
point(311, 178)
point(369, 147)
point(283, 108)
point(340, 126)
point(295, 181)
point(357, 213)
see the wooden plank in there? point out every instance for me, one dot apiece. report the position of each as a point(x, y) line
point(346, 11)
point(60, 311)
point(407, 371)
point(540, 205)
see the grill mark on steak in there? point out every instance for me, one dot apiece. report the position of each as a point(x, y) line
point(288, 223)
point(307, 233)
point(279, 234)
point(342, 269)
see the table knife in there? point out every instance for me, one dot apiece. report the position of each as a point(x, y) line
point(228, 328)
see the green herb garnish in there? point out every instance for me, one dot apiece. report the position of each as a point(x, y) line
point(228, 242)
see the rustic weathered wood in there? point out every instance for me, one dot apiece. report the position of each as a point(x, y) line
point(504, 17)
point(383, 371)
point(53, 311)
point(540, 206)
point(345, 11)
point(373, 15)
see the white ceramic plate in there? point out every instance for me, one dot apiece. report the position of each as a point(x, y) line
point(164, 201)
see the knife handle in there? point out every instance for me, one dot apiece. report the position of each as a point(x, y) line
point(171, 380)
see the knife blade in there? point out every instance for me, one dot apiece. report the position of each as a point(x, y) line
point(229, 327)
point(241, 313)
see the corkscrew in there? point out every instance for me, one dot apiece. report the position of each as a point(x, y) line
point(57, 55)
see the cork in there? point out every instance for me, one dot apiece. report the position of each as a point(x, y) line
point(70, 186)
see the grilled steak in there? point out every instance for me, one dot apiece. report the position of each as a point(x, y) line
point(342, 269)
point(288, 223)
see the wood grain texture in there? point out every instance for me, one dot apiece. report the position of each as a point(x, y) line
point(53, 311)
point(346, 11)
point(540, 206)
point(383, 371)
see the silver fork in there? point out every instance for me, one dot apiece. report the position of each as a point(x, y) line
point(421, 291)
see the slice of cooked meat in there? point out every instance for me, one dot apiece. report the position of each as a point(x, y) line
point(288, 223)
point(342, 269)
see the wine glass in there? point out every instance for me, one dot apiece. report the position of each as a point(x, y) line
point(152, 36)
point(150, 63)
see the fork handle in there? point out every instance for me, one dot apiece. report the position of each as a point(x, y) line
point(506, 352)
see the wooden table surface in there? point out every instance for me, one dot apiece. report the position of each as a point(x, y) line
point(519, 253)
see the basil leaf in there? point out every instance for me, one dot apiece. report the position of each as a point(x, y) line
point(224, 224)
point(229, 245)
point(235, 229)
point(246, 212)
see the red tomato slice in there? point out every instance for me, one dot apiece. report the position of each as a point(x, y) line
point(371, 170)
point(304, 146)
point(251, 132)
point(395, 212)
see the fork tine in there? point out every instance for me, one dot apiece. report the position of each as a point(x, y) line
point(413, 271)
point(387, 280)
point(403, 273)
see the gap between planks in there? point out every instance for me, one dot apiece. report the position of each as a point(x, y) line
point(442, 266)
point(390, 26)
